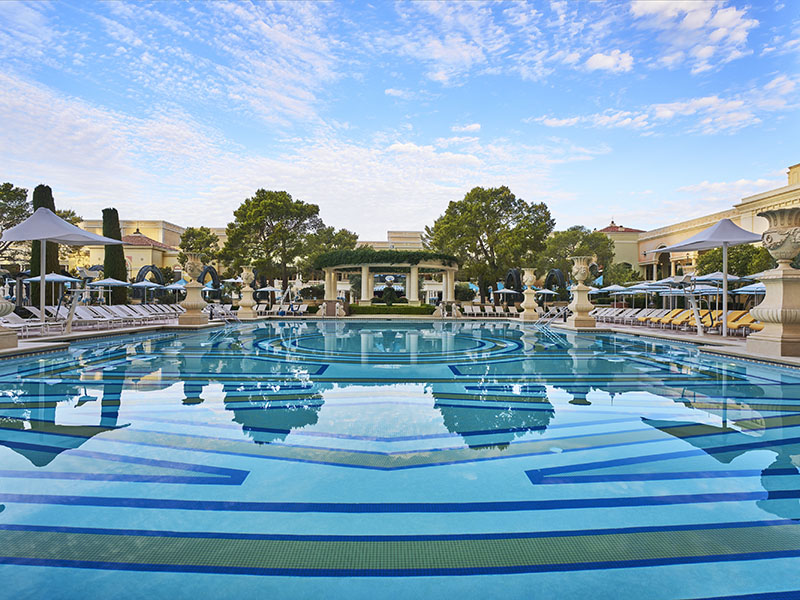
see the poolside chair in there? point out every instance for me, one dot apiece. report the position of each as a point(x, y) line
point(656, 314)
point(24, 326)
point(667, 319)
point(742, 323)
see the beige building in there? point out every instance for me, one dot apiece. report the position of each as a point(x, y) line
point(744, 214)
point(626, 243)
point(396, 240)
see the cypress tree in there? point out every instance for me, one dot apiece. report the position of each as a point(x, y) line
point(114, 262)
point(43, 196)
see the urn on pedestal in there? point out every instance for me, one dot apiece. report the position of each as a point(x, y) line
point(780, 309)
point(246, 304)
point(193, 303)
point(8, 338)
point(580, 305)
point(529, 306)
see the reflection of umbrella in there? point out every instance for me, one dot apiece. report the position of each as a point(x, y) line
point(175, 287)
point(233, 280)
point(269, 288)
point(46, 226)
point(547, 292)
point(725, 233)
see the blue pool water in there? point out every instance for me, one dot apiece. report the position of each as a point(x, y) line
point(407, 459)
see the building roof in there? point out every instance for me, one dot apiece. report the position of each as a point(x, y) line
point(614, 228)
point(139, 239)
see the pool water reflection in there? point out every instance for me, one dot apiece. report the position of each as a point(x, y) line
point(407, 457)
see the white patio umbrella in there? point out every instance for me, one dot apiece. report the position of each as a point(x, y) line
point(46, 226)
point(724, 234)
point(718, 276)
point(108, 283)
point(269, 288)
point(146, 285)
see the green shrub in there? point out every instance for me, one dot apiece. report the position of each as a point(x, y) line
point(389, 295)
point(464, 293)
point(425, 309)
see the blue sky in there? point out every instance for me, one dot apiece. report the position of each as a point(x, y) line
point(648, 112)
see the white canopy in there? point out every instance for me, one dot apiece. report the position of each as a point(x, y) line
point(46, 226)
point(146, 284)
point(269, 288)
point(52, 278)
point(723, 234)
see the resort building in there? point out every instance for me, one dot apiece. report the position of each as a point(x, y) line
point(744, 214)
point(396, 240)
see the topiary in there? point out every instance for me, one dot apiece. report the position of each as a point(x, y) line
point(389, 295)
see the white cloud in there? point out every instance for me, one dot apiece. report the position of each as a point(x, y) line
point(616, 62)
point(472, 127)
point(704, 33)
point(706, 114)
point(405, 94)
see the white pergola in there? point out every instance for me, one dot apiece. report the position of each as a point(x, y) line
point(412, 287)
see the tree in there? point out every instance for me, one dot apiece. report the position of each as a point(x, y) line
point(43, 197)
point(270, 229)
point(114, 261)
point(575, 241)
point(620, 274)
point(490, 231)
point(325, 239)
point(743, 260)
point(14, 209)
point(202, 241)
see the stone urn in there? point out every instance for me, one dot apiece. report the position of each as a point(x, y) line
point(193, 303)
point(247, 303)
point(780, 309)
point(8, 338)
point(580, 305)
point(529, 306)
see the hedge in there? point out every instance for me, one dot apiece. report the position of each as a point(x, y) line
point(362, 256)
point(377, 309)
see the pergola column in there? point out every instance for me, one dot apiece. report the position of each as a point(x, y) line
point(330, 285)
point(365, 297)
point(412, 291)
point(370, 285)
point(451, 281)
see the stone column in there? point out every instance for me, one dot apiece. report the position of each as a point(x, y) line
point(8, 338)
point(366, 345)
point(780, 309)
point(412, 286)
point(365, 297)
point(412, 343)
point(330, 285)
point(529, 305)
point(246, 304)
point(370, 287)
point(194, 302)
point(451, 283)
point(446, 286)
point(580, 305)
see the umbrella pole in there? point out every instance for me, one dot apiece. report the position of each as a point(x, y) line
point(724, 289)
point(42, 267)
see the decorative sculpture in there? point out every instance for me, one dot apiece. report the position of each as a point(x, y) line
point(780, 309)
point(8, 338)
point(246, 304)
point(580, 305)
point(529, 306)
point(194, 302)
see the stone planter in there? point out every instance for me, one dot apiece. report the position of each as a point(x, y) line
point(193, 303)
point(8, 338)
point(246, 304)
point(580, 305)
point(780, 309)
point(529, 305)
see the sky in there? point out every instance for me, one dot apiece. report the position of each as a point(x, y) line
point(645, 112)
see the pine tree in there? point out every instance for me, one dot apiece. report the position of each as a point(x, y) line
point(114, 262)
point(43, 196)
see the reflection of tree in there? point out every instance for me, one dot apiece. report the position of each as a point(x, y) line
point(498, 422)
point(36, 435)
point(266, 421)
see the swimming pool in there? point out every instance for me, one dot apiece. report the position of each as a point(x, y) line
point(410, 459)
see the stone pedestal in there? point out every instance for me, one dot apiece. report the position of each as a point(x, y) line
point(780, 313)
point(580, 306)
point(194, 303)
point(8, 338)
point(780, 310)
point(246, 304)
point(529, 306)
